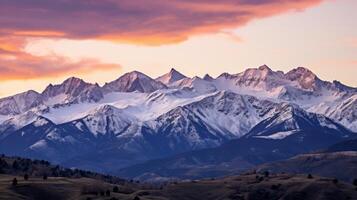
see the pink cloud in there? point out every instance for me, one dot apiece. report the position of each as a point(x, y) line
point(138, 21)
point(17, 64)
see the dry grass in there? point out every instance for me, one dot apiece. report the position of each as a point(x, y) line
point(247, 187)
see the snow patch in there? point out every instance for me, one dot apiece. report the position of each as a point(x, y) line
point(278, 135)
point(40, 122)
point(41, 144)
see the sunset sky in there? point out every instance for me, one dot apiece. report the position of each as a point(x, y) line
point(44, 41)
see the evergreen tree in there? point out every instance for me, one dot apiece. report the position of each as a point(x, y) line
point(15, 165)
point(116, 189)
point(355, 182)
point(335, 180)
point(26, 177)
point(266, 174)
point(14, 182)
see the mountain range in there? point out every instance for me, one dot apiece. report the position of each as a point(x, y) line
point(258, 115)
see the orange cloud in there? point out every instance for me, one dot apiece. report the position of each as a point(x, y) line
point(39, 33)
point(136, 21)
point(131, 21)
point(17, 64)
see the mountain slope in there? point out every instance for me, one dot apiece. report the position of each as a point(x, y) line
point(249, 186)
point(293, 122)
point(19, 103)
point(314, 132)
point(342, 155)
point(322, 164)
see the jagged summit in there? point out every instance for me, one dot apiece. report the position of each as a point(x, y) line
point(264, 68)
point(207, 77)
point(171, 77)
point(69, 86)
point(72, 90)
point(305, 77)
point(133, 81)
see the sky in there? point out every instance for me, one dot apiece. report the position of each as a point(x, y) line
point(44, 42)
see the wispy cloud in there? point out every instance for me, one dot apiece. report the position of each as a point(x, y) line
point(15, 63)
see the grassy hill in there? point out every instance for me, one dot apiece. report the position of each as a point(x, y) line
point(46, 181)
point(39, 168)
point(243, 187)
point(342, 165)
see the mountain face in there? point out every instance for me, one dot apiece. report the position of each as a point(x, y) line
point(287, 133)
point(344, 112)
point(73, 89)
point(20, 103)
point(259, 114)
point(292, 121)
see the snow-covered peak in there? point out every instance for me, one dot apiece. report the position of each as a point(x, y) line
point(107, 119)
point(226, 75)
point(19, 121)
point(66, 87)
point(171, 77)
point(72, 90)
point(264, 68)
point(337, 85)
point(197, 84)
point(304, 77)
point(133, 81)
point(20, 103)
point(207, 77)
point(72, 81)
point(291, 120)
point(255, 75)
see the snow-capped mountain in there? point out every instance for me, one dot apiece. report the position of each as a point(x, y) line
point(289, 132)
point(20, 103)
point(207, 77)
point(107, 120)
point(223, 114)
point(292, 121)
point(343, 111)
point(138, 118)
point(170, 77)
point(72, 90)
point(197, 84)
point(134, 81)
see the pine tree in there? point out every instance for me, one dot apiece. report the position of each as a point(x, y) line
point(14, 182)
point(115, 189)
point(355, 182)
